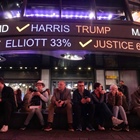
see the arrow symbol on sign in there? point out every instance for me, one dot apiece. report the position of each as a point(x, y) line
point(85, 44)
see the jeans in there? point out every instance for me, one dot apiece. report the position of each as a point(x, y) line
point(83, 112)
point(120, 109)
point(102, 112)
point(36, 111)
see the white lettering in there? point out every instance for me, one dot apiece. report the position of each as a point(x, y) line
point(26, 43)
point(57, 28)
point(41, 28)
point(66, 28)
point(50, 28)
point(43, 43)
point(30, 42)
point(37, 41)
point(34, 28)
point(4, 28)
point(14, 44)
point(8, 43)
point(135, 32)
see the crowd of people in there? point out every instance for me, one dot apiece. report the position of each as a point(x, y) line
point(86, 106)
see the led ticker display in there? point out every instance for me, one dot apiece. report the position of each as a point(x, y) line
point(69, 36)
point(69, 43)
point(59, 28)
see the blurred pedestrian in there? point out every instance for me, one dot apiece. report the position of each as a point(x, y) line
point(7, 104)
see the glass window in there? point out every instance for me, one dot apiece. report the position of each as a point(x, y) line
point(111, 77)
point(135, 9)
point(23, 86)
point(10, 9)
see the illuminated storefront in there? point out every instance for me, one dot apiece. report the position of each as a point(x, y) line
point(71, 30)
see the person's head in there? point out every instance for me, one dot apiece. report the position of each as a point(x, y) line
point(113, 88)
point(18, 93)
point(81, 86)
point(40, 85)
point(121, 82)
point(98, 87)
point(30, 90)
point(1, 82)
point(61, 85)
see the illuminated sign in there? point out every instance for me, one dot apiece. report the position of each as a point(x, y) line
point(20, 35)
point(111, 77)
point(69, 43)
point(4, 28)
point(61, 28)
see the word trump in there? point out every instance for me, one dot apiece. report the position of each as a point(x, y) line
point(93, 29)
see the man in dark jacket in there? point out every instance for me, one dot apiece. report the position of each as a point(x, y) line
point(125, 91)
point(82, 106)
point(7, 104)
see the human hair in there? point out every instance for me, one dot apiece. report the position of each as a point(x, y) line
point(113, 86)
point(96, 85)
point(80, 82)
point(120, 90)
point(19, 94)
point(1, 80)
point(122, 81)
point(62, 82)
point(31, 89)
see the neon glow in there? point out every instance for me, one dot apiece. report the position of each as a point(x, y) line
point(64, 14)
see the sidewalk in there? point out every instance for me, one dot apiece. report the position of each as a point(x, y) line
point(34, 134)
